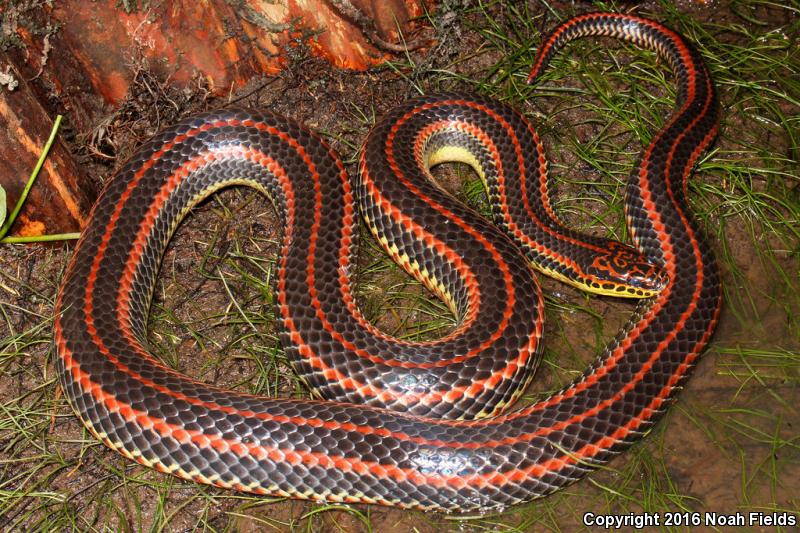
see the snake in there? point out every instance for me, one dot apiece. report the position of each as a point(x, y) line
point(397, 422)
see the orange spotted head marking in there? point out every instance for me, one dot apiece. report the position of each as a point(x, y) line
point(624, 269)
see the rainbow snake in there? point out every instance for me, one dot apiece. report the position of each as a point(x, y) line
point(447, 443)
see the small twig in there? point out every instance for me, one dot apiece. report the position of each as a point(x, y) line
point(367, 27)
point(252, 92)
point(259, 19)
point(41, 238)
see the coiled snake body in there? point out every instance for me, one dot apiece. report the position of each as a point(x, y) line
point(446, 446)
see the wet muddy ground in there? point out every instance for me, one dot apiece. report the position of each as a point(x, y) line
point(730, 444)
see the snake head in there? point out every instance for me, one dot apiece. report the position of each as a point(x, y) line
point(625, 272)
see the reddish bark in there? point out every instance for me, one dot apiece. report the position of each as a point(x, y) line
point(60, 197)
point(224, 42)
point(88, 64)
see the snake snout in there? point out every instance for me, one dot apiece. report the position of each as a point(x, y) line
point(624, 271)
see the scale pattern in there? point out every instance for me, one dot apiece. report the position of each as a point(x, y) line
point(343, 451)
